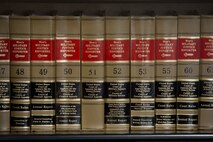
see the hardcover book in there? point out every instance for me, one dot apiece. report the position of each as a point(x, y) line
point(206, 73)
point(42, 73)
point(4, 74)
point(166, 66)
point(188, 71)
point(117, 104)
point(20, 72)
point(93, 72)
point(68, 103)
point(142, 73)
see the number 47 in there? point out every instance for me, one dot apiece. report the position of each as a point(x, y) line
point(2, 71)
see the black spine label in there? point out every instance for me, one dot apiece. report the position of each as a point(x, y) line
point(118, 90)
point(43, 120)
point(68, 120)
point(20, 122)
point(165, 89)
point(142, 121)
point(165, 119)
point(42, 90)
point(142, 106)
point(68, 110)
point(206, 88)
point(142, 90)
point(188, 89)
point(20, 107)
point(20, 90)
point(165, 105)
point(67, 90)
point(117, 113)
point(203, 104)
point(187, 105)
point(93, 90)
point(4, 106)
point(187, 119)
point(4, 90)
point(43, 106)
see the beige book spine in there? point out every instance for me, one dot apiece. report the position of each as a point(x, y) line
point(20, 72)
point(142, 73)
point(68, 102)
point(165, 72)
point(206, 74)
point(117, 104)
point(4, 74)
point(188, 72)
point(93, 73)
point(42, 73)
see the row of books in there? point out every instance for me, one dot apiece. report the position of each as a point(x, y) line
point(106, 73)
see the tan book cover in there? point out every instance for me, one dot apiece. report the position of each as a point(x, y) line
point(165, 72)
point(20, 72)
point(4, 74)
point(42, 73)
point(188, 71)
point(206, 73)
point(117, 103)
point(142, 73)
point(93, 72)
point(68, 102)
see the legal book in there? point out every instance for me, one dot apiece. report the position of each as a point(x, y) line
point(68, 102)
point(117, 103)
point(42, 73)
point(4, 74)
point(20, 72)
point(142, 73)
point(206, 73)
point(165, 69)
point(188, 71)
point(93, 72)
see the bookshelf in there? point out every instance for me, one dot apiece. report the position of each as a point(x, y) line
point(112, 7)
point(150, 136)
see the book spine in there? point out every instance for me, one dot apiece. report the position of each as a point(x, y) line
point(206, 73)
point(42, 73)
point(117, 104)
point(166, 62)
point(20, 72)
point(68, 109)
point(93, 81)
point(4, 74)
point(188, 72)
point(142, 73)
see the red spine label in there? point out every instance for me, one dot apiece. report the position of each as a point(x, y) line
point(206, 48)
point(93, 50)
point(117, 50)
point(166, 49)
point(68, 49)
point(20, 50)
point(42, 50)
point(188, 48)
point(143, 49)
point(4, 49)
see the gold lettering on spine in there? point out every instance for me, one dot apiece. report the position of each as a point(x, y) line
point(166, 62)
point(42, 73)
point(142, 73)
point(93, 72)
point(188, 72)
point(206, 74)
point(68, 100)
point(4, 74)
point(117, 113)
